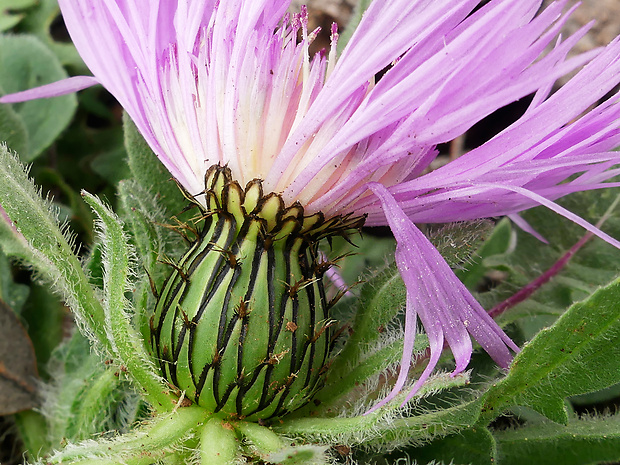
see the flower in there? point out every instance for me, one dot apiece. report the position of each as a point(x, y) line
point(227, 82)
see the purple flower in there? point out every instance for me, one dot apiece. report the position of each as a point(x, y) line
point(227, 82)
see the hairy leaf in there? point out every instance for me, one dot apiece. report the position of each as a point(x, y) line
point(580, 353)
point(25, 62)
point(581, 442)
point(149, 172)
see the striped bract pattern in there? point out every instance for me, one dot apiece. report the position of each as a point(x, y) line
point(242, 324)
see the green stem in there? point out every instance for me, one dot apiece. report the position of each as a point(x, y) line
point(218, 443)
point(127, 343)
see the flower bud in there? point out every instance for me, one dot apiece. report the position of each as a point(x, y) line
point(242, 324)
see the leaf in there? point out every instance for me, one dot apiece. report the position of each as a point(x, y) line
point(44, 315)
point(382, 299)
point(8, 19)
point(153, 440)
point(309, 454)
point(12, 293)
point(84, 396)
point(580, 353)
point(364, 252)
point(112, 165)
point(595, 264)
point(475, 446)
point(12, 129)
point(32, 429)
point(129, 347)
point(498, 243)
point(18, 369)
point(581, 442)
point(16, 4)
point(35, 237)
point(381, 431)
point(458, 243)
point(39, 21)
point(149, 172)
point(25, 62)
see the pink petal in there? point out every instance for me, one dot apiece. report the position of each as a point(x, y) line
point(446, 308)
point(55, 89)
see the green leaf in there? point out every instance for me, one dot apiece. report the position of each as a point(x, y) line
point(498, 243)
point(382, 430)
point(163, 434)
point(144, 216)
point(364, 252)
point(9, 19)
point(112, 165)
point(149, 172)
point(475, 446)
point(25, 62)
point(33, 433)
point(128, 345)
point(12, 293)
point(301, 455)
point(580, 353)
point(39, 21)
point(581, 442)
point(595, 264)
point(77, 211)
point(458, 243)
point(83, 397)
point(34, 237)
point(45, 317)
point(16, 4)
point(12, 129)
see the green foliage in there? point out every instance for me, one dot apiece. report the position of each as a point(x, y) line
point(11, 14)
point(39, 22)
point(164, 434)
point(471, 446)
point(12, 293)
point(461, 244)
point(25, 62)
point(126, 342)
point(12, 128)
point(385, 429)
point(582, 442)
point(149, 172)
point(45, 316)
point(36, 238)
point(497, 243)
point(381, 300)
point(595, 264)
point(580, 353)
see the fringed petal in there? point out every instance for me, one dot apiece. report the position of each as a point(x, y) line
point(446, 308)
point(525, 226)
point(55, 89)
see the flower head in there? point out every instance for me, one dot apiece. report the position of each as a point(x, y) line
point(228, 82)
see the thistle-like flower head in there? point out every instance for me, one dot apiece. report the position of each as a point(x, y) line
point(231, 82)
